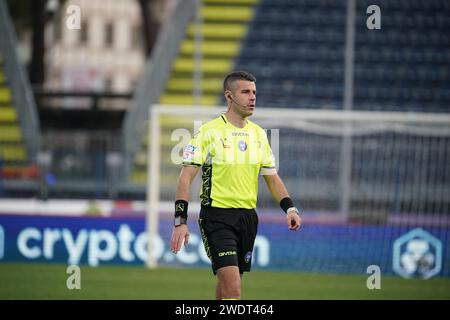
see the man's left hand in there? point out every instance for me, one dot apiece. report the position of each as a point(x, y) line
point(293, 220)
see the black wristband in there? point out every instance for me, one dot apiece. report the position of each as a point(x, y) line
point(181, 208)
point(286, 203)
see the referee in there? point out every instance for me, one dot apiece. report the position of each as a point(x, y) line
point(232, 151)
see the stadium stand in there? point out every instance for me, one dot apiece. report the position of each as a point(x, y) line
point(19, 125)
point(224, 26)
point(12, 151)
point(402, 67)
point(405, 66)
point(296, 50)
point(14, 162)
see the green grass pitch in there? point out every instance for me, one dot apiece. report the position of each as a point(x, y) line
point(48, 281)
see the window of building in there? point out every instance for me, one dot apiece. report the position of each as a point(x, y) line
point(109, 34)
point(136, 37)
point(84, 32)
point(108, 84)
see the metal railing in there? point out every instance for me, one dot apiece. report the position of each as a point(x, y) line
point(79, 160)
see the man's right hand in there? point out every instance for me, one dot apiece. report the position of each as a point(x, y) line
point(180, 234)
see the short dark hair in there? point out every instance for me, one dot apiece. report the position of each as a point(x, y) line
point(237, 75)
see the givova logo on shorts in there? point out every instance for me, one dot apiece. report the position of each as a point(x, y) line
point(417, 254)
point(227, 253)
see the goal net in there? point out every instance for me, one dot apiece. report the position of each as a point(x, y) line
point(340, 167)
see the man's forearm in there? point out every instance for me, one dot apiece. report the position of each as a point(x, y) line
point(187, 175)
point(183, 187)
point(276, 187)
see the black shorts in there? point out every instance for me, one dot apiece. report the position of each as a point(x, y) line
point(228, 236)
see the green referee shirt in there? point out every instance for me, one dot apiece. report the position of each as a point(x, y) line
point(231, 159)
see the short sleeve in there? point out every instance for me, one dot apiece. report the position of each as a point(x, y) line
point(267, 160)
point(194, 153)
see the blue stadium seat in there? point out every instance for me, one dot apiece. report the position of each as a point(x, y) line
point(296, 50)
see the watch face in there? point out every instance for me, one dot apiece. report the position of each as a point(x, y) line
point(177, 221)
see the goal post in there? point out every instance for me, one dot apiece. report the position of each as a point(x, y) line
point(399, 166)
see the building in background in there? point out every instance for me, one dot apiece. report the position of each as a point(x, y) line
point(106, 54)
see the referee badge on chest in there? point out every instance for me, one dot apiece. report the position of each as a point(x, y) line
point(242, 145)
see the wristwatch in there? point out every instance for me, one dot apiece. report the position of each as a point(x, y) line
point(179, 221)
point(292, 209)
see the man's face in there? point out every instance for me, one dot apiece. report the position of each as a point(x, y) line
point(243, 94)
